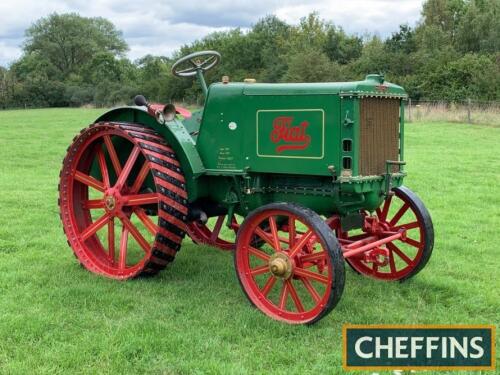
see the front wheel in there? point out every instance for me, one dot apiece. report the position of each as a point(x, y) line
point(297, 275)
point(406, 256)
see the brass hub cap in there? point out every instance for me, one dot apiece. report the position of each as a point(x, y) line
point(280, 265)
point(110, 202)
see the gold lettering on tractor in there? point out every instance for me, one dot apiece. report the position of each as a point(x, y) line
point(295, 137)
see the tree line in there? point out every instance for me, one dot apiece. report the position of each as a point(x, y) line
point(453, 53)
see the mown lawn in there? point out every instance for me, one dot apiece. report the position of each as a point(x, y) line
point(55, 317)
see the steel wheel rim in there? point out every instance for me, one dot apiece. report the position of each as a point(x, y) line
point(259, 295)
point(91, 250)
point(397, 255)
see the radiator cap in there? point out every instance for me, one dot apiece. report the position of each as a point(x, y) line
point(375, 77)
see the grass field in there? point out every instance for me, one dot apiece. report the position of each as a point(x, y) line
point(55, 317)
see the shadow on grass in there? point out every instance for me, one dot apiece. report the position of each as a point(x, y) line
point(202, 275)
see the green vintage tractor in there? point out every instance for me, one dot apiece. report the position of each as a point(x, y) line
point(294, 178)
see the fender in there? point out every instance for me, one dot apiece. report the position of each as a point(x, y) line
point(174, 133)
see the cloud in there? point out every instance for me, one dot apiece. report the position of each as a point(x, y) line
point(161, 27)
point(224, 13)
point(9, 52)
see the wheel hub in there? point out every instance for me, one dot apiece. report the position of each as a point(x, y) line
point(110, 202)
point(113, 202)
point(280, 265)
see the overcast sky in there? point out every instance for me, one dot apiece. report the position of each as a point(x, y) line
point(160, 27)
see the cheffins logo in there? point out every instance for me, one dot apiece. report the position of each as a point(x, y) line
point(292, 137)
point(430, 347)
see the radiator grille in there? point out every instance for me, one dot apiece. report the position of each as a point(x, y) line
point(379, 134)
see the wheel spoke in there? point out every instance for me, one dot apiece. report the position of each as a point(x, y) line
point(402, 255)
point(301, 243)
point(89, 181)
point(292, 233)
point(148, 223)
point(399, 214)
point(104, 168)
point(259, 270)
point(187, 70)
point(112, 154)
point(143, 173)
point(412, 242)
point(283, 296)
point(234, 225)
point(93, 204)
point(258, 253)
point(310, 288)
point(193, 63)
point(95, 226)
point(263, 235)
point(385, 209)
point(217, 228)
point(392, 263)
point(111, 239)
point(408, 226)
point(128, 167)
point(274, 233)
point(141, 199)
point(269, 285)
point(122, 260)
point(295, 296)
point(207, 62)
point(136, 234)
point(311, 275)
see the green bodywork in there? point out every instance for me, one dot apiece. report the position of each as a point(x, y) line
point(255, 143)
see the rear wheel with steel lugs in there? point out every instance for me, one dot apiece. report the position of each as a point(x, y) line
point(122, 200)
point(297, 275)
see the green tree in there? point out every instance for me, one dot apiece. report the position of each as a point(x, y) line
point(453, 53)
point(444, 14)
point(312, 65)
point(403, 40)
point(68, 41)
point(470, 76)
point(271, 36)
point(479, 27)
point(154, 74)
point(340, 47)
point(6, 87)
point(374, 58)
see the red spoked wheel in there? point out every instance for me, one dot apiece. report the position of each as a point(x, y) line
point(122, 200)
point(297, 275)
point(215, 232)
point(402, 258)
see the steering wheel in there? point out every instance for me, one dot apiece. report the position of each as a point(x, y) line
point(189, 65)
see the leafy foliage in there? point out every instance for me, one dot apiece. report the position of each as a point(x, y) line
point(69, 41)
point(452, 54)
